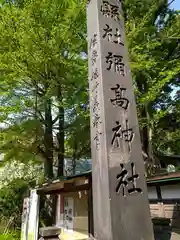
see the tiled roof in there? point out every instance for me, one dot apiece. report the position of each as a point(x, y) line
point(174, 176)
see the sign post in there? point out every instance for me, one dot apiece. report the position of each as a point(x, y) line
point(33, 219)
point(121, 208)
point(24, 219)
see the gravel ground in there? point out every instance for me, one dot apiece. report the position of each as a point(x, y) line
point(175, 235)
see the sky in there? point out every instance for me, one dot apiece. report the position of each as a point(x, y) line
point(176, 5)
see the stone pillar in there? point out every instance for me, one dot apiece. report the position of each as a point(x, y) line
point(121, 208)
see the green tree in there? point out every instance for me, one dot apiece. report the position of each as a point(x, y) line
point(153, 39)
point(169, 125)
point(11, 201)
point(43, 76)
point(44, 93)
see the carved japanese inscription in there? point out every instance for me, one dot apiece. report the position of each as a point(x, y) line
point(122, 133)
point(114, 37)
point(93, 41)
point(127, 181)
point(119, 99)
point(110, 10)
point(96, 119)
point(115, 63)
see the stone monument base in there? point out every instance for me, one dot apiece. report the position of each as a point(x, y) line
point(49, 233)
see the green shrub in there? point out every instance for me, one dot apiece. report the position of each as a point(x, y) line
point(11, 201)
point(10, 236)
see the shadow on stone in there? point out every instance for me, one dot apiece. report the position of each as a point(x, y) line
point(162, 229)
point(176, 219)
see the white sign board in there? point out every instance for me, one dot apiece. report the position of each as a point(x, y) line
point(68, 214)
point(33, 216)
point(24, 224)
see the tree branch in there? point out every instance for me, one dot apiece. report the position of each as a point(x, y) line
point(41, 116)
point(170, 3)
point(55, 119)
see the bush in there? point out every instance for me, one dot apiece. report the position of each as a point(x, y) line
point(11, 202)
point(10, 236)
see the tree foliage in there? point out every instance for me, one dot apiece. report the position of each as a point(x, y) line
point(11, 202)
point(153, 38)
point(43, 77)
point(44, 87)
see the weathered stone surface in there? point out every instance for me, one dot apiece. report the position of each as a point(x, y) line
point(49, 238)
point(121, 208)
point(49, 231)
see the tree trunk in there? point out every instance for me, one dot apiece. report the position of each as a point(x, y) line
point(152, 163)
point(61, 135)
point(142, 87)
point(74, 158)
point(48, 161)
point(146, 132)
point(48, 141)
